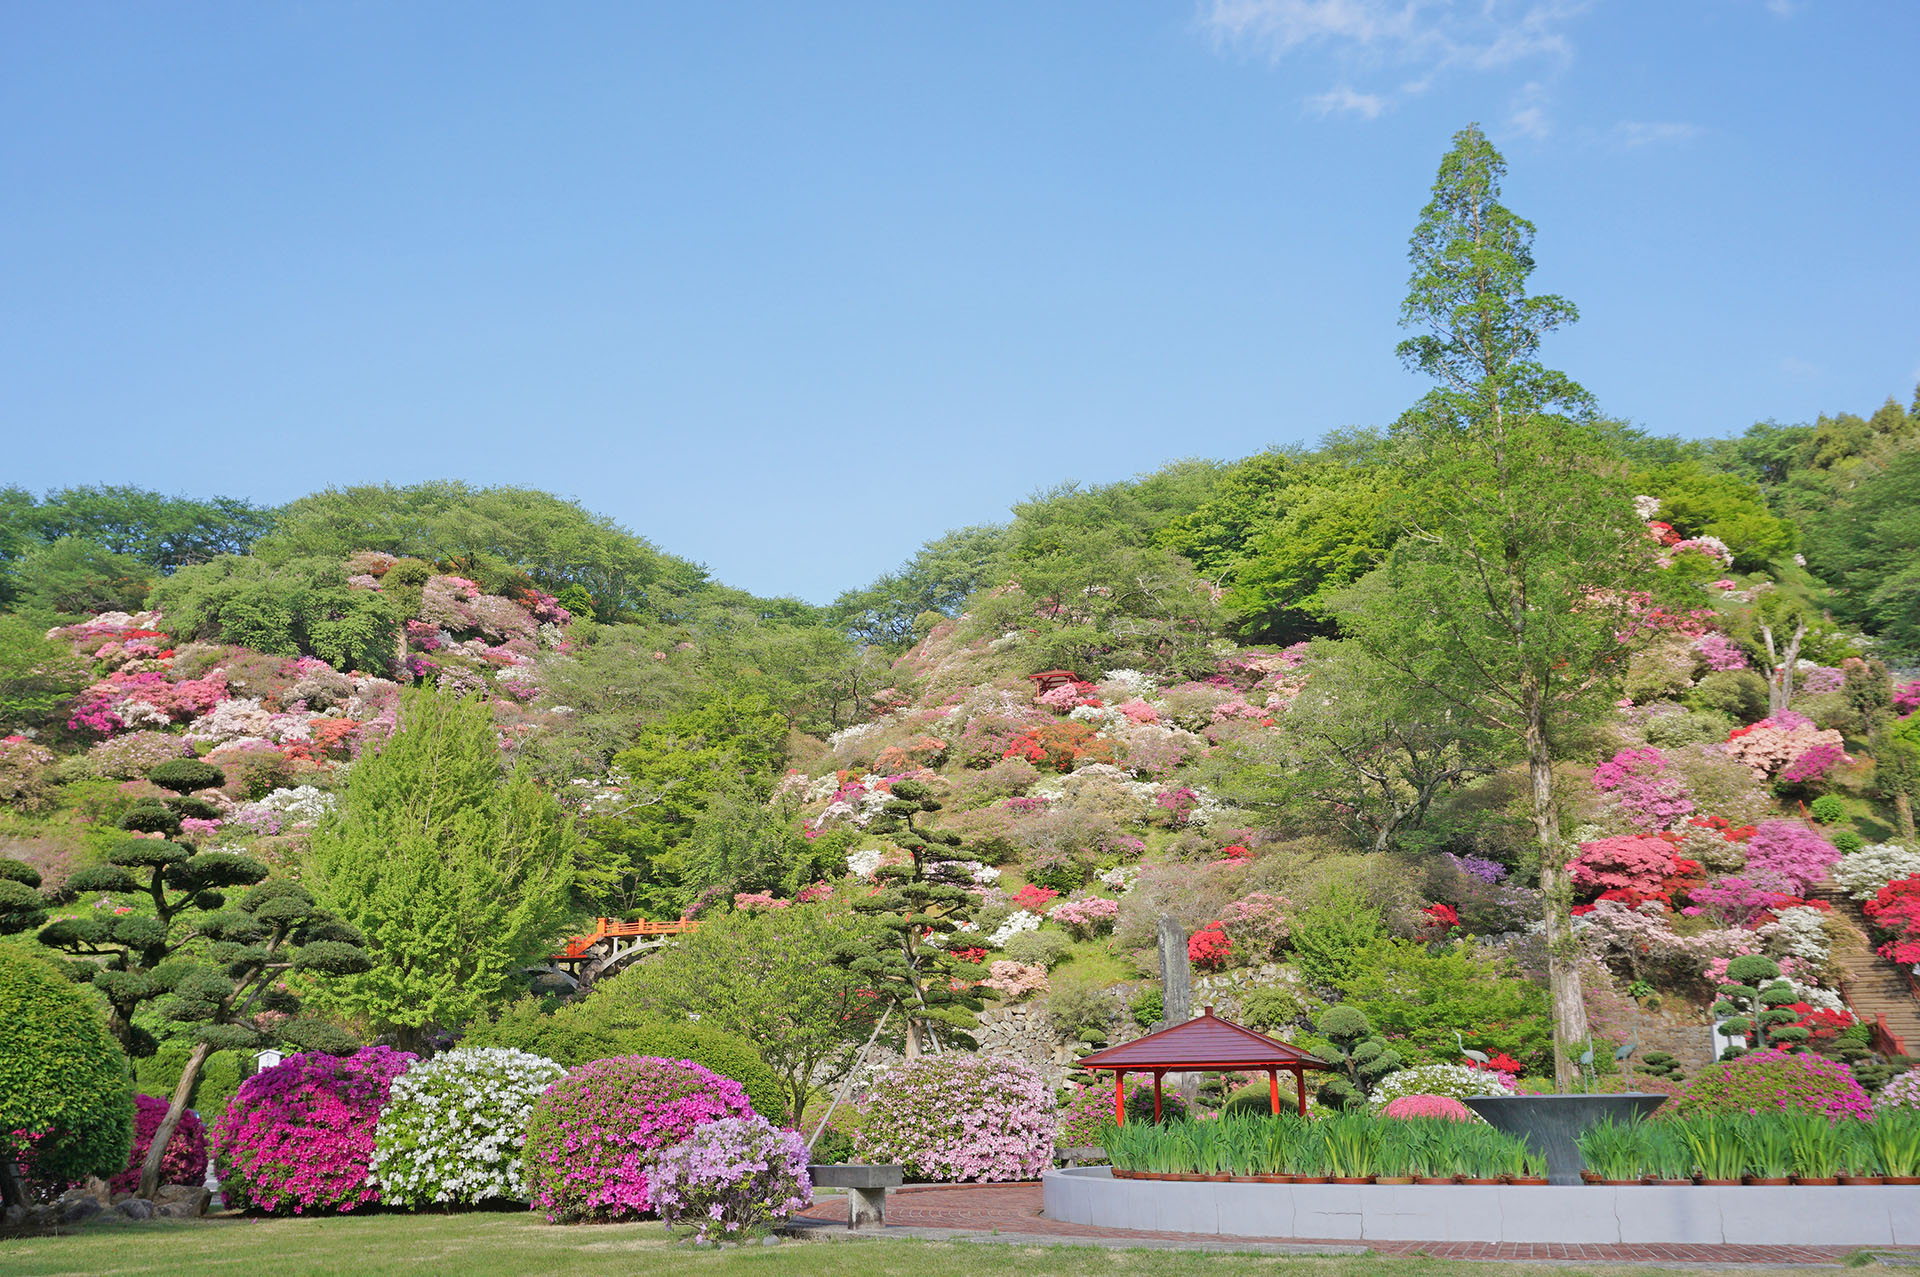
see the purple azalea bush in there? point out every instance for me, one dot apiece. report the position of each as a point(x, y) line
point(594, 1137)
point(732, 1177)
point(1765, 1081)
point(298, 1137)
point(960, 1117)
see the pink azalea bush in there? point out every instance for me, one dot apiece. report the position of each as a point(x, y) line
point(1087, 917)
point(184, 1162)
point(1016, 980)
point(1649, 799)
point(731, 1177)
point(1901, 1093)
point(1785, 855)
point(1764, 1081)
point(594, 1136)
point(1443, 1106)
point(1770, 744)
point(299, 1136)
point(1813, 764)
point(1720, 652)
point(1257, 923)
point(968, 1118)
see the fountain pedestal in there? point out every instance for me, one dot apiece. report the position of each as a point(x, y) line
point(1551, 1123)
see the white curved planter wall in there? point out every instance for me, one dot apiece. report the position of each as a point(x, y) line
point(1589, 1214)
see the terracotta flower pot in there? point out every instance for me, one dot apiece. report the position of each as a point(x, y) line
point(1214, 1179)
point(1900, 1179)
point(1654, 1181)
point(1467, 1179)
point(1433, 1179)
point(1721, 1183)
point(1618, 1183)
point(1526, 1181)
point(1588, 1177)
point(1270, 1179)
point(1393, 1179)
point(1764, 1180)
point(1353, 1179)
point(1862, 1181)
point(1815, 1181)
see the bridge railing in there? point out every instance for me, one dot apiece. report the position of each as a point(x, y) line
point(613, 928)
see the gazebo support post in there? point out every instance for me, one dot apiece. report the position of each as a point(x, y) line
point(1156, 1097)
point(1120, 1097)
point(1300, 1083)
point(1273, 1090)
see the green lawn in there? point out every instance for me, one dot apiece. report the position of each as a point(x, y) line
point(516, 1245)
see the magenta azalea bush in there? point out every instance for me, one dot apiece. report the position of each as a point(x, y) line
point(1429, 1106)
point(594, 1137)
point(1766, 1081)
point(960, 1117)
point(298, 1137)
point(184, 1162)
point(732, 1177)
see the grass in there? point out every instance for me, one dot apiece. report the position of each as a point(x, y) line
point(513, 1244)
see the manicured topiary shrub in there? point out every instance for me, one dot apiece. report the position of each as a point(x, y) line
point(1429, 1106)
point(66, 1110)
point(1766, 1081)
point(454, 1128)
point(960, 1117)
point(299, 1137)
point(732, 1177)
point(184, 775)
point(184, 1162)
point(594, 1136)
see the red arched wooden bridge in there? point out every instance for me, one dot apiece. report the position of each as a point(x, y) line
point(612, 944)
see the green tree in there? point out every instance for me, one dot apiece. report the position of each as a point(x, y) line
point(456, 874)
point(71, 577)
point(938, 578)
point(37, 676)
point(1522, 555)
point(917, 901)
point(294, 607)
point(768, 977)
point(1419, 997)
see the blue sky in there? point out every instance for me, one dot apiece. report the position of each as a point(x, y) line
point(789, 288)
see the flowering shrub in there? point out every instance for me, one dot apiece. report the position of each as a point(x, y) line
point(1720, 652)
point(1786, 855)
point(1906, 698)
point(1017, 921)
point(1761, 1081)
point(299, 1136)
point(1016, 979)
point(1770, 744)
point(1087, 917)
point(1444, 1106)
point(1862, 873)
point(24, 779)
point(134, 755)
point(1060, 745)
point(453, 1128)
point(184, 1162)
point(1895, 909)
point(1032, 898)
point(1648, 800)
point(1631, 868)
point(1901, 1093)
point(731, 1177)
point(1209, 948)
point(1455, 1081)
point(593, 1137)
point(1257, 922)
point(960, 1117)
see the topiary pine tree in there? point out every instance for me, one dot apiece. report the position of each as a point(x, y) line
point(1661, 1064)
point(917, 901)
point(1754, 999)
point(212, 971)
point(1360, 1057)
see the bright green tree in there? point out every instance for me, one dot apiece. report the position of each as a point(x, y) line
point(768, 977)
point(457, 873)
point(1521, 558)
point(37, 675)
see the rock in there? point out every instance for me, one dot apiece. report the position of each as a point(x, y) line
point(178, 1210)
point(14, 1217)
point(120, 1197)
point(135, 1208)
point(78, 1206)
point(191, 1195)
point(97, 1189)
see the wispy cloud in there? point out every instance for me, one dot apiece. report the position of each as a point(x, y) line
point(1632, 133)
point(1528, 114)
point(1344, 100)
point(1414, 41)
point(1794, 366)
point(1782, 8)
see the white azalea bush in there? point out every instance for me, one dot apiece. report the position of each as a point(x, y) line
point(1456, 1081)
point(453, 1134)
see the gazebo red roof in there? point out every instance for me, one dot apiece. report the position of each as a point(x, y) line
point(1206, 1042)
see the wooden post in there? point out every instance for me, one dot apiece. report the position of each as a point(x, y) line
point(1119, 1097)
point(1273, 1090)
point(1156, 1097)
point(1300, 1082)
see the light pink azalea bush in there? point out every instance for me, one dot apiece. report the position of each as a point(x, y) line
point(968, 1118)
point(594, 1136)
point(732, 1177)
point(1443, 1106)
point(1088, 916)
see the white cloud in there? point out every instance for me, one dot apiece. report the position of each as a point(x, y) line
point(1412, 40)
point(1782, 8)
point(1528, 115)
point(1631, 133)
point(1343, 99)
point(1797, 367)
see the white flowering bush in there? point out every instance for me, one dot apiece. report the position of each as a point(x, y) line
point(1017, 921)
point(453, 1133)
point(1799, 932)
point(1862, 873)
point(1456, 1081)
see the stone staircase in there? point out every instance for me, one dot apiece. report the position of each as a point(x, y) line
point(1879, 993)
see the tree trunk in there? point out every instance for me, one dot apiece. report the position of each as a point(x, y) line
point(913, 1039)
point(157, 1151)
point(1563, 971)
point(1903, 813)
point(1780, 677)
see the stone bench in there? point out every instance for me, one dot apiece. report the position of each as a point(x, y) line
point(866, 1190)
point(1064, 1155)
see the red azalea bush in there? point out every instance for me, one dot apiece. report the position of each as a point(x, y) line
point(1631, 868)
point(184, 1162)
point(1209, 948)
point(1061, 745)
point(1033, 899)
point(299, 1136)
point(1895, 909)
point(593, 1138)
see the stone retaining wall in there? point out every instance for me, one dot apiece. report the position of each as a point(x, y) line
point(1589, 1214)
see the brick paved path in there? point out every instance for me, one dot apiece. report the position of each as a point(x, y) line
point(1015, 1208)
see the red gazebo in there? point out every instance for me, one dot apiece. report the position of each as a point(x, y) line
point(1046, 680)
point(1204, 1044)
